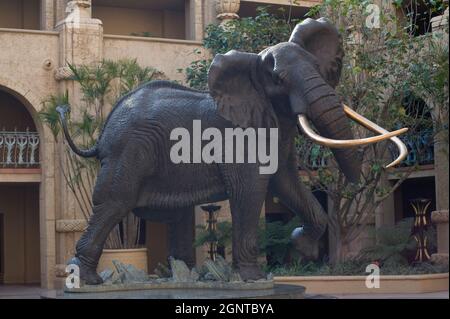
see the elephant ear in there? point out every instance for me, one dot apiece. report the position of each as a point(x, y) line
point(321, 39)
point(237, 91)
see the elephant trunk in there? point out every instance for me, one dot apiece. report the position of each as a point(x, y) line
point(320, 103)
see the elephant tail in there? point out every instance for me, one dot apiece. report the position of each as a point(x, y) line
point(93, 151)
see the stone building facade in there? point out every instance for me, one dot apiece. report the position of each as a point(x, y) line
point(39, 218)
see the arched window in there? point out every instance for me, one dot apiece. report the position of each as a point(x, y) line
point(19, 140)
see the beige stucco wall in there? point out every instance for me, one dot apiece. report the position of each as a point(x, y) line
point(167, 56)
point(125, 21)
point(23, 61)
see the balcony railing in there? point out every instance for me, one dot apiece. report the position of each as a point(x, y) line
point(420, 148)
point(420, 151)
point(19, 149)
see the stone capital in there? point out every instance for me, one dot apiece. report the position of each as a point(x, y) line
point(227, 9)
point(78, 14)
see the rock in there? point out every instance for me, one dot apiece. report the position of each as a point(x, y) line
point(194, 275)
point(235, 277)
point(106, 275)
point(209, 277)
point(117, 278)
point(219, 269)
point(162, 271)
point(129, 273)
point(180, 272)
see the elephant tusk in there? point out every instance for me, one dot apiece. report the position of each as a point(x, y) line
point(304, 124)
point(384, 135)
point(403, 151)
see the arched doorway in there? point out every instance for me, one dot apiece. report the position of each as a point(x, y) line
point(19, 193)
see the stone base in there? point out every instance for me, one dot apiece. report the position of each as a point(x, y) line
point(439, 259)
point(279, 291)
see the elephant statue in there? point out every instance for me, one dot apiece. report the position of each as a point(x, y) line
point(284, 87)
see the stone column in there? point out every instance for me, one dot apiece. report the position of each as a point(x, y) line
point(80, 43)
point(81, 37)
point(209, 13)
point(440, 219)
point(227, 10)
point(194, 20)
point(47, 15)
point(60, 10)
point(439, 25)
point(441, 167)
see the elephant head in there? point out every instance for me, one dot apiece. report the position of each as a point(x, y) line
point(299, 75)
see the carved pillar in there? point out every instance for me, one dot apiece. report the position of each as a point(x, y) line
point(194, 20)
point(440, 217)
point(47, 14)
point(81, 38)
point(80, 43)
point(227, 10)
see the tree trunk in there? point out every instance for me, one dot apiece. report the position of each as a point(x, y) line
point(334, 237)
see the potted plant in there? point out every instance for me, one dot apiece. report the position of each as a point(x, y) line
point(101, 86)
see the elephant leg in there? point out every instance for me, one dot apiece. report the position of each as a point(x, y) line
point(114, 195)
point(246, 205)
point(286, 185)
point(89, 248)
point(181, 237)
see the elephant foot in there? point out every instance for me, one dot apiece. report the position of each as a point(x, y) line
point(87, 274)
point(251, 272)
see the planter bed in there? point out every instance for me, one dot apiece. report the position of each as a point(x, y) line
point(357, 284)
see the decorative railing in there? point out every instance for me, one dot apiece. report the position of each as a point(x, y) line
point(420, 151)
point(19, 149)
point(420, 148)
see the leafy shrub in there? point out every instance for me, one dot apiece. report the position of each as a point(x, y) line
point(354, 268)
point(393, 243)
point(222, 235)
point(275, 240)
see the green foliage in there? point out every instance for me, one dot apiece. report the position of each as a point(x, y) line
point(354, 267)
point(393, 243)
point(49, 116)
point(251, 34)
point(222, 235)
point(101, 85)
point(275, 239)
